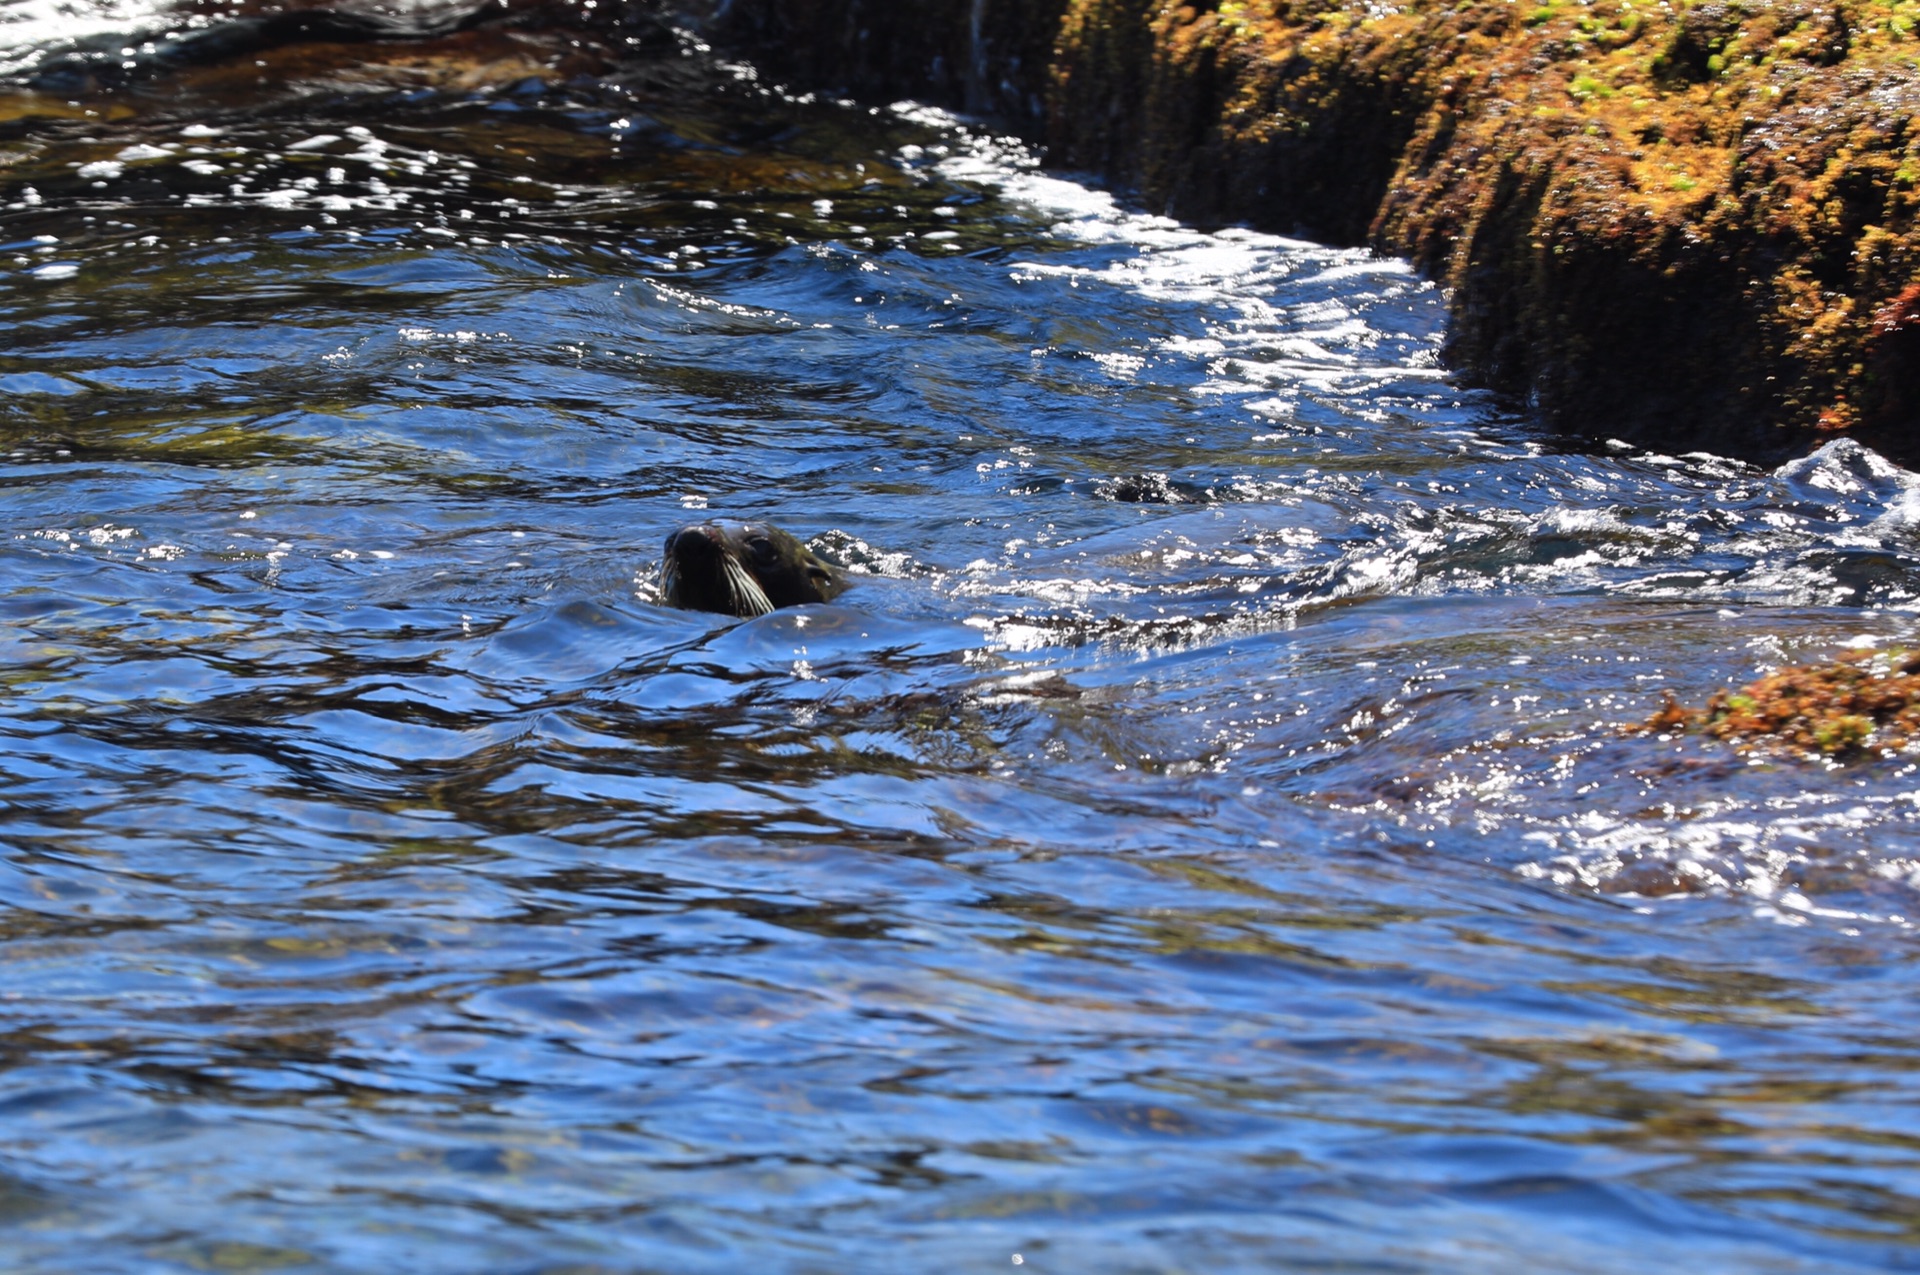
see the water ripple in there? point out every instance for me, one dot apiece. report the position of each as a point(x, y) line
point(1203, 836)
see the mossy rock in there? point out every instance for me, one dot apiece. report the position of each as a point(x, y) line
point(1863, 703)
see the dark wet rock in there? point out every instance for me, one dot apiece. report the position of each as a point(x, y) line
point(1152, 489)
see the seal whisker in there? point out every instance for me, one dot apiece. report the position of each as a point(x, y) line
point(749, 599)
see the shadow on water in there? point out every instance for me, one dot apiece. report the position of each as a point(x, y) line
point(1203, 838)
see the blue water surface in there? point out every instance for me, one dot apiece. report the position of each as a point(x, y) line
point(1204, 839)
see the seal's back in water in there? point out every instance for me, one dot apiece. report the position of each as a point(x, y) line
point(744, 569)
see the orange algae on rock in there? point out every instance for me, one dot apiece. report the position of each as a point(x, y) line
point(1862, 703)
point(1656, 217)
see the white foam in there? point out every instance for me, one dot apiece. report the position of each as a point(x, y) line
point(30, 29)
point(1271, 328)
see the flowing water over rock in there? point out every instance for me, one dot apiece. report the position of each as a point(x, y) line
point(1202, 840)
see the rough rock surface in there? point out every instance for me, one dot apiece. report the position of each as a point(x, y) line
point(1686, 222)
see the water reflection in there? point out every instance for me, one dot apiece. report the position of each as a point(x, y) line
point(1203, 838)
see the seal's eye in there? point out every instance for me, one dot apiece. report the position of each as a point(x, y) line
point(761, 548)
point(818, 573)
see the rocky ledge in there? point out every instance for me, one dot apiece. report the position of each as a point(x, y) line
point(1687, 223)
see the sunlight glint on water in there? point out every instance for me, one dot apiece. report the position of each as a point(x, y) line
point(1203, 839)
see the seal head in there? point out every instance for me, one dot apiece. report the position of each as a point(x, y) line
point(743, 569)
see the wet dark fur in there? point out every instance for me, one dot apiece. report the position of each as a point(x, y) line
point(743, 569)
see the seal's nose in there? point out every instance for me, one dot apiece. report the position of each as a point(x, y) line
point(696, 540)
